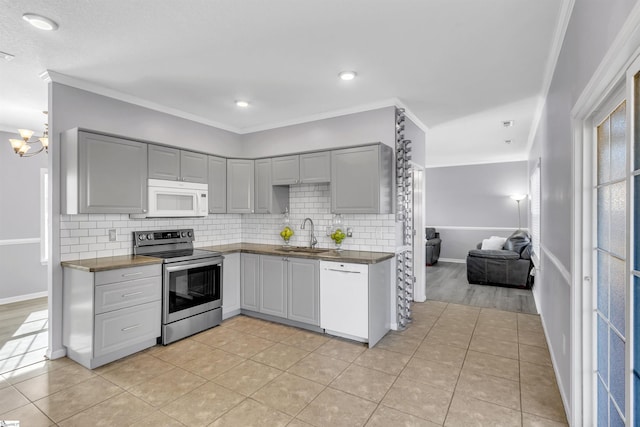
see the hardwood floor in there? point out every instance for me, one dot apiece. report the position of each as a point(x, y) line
point(447, 281)
point(23, 333)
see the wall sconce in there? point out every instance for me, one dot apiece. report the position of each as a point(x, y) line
point(518, 198)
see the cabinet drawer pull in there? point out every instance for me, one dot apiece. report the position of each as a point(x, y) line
point(132, 274)
point(128, 328)
point(131, 294)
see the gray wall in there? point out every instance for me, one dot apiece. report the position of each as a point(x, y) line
point(591, 30)
point(20, 219)
point(352, 129)
point(470, 203)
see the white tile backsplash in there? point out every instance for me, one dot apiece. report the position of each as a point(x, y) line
point(87, 236)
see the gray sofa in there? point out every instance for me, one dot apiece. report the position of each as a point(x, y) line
point(509, 266)
point(432, 245)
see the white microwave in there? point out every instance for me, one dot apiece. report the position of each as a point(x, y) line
point(177, 199)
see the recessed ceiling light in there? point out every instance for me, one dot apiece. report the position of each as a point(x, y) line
point(40, 22)
point(507, 123)
point(507, 141)
point(242, 104)
point(347, 75)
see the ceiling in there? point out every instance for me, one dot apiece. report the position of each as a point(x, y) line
point(460, 66)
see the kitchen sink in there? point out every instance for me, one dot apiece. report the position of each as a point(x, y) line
point(302, 250)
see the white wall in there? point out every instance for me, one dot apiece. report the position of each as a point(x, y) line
point(592, 28)
point(23, 275)
point(469, 203)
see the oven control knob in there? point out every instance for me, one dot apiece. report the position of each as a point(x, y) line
point(141, 237)
point(184, 234)
point(190, 234)
point(149, 236)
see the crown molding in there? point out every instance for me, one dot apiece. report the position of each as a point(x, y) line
point(550, 68)
point(56, 77)
point(53, 76)
point(523, 158)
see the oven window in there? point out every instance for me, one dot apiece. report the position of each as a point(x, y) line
point(194, 286)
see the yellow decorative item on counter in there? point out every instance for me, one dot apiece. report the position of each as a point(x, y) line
point(286, 233)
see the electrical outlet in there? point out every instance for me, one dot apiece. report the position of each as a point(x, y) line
point(112, 235)
point(378, 233)
point(328, 230)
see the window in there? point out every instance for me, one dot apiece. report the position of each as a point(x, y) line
point(44, 215)
point(535, 212)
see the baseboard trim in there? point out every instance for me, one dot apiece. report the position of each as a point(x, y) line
point(57, 354)
point(456, 260)
point(25, 297)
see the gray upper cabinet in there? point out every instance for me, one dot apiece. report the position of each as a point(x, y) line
point(164, 163)
point(177, 165)
point(268, 198)
point(303, 288)
point(250, 281)
point(273, 289)
point(102, 174)
point(315, 167)
point(308, 168)
point(240, 186)
point(217, 184)
point(285, 170)
point(362, 180)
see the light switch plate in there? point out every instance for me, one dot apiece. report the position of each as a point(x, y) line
point(112, 235)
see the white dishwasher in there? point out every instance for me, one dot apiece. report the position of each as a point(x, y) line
point(344, 299)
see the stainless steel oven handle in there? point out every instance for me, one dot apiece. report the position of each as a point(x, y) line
point(186, 265)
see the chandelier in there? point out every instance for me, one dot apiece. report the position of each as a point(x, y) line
point(22, 146)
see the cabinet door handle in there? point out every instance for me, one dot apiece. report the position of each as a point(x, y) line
point(132, 274)
point(128, 328)
point(131, 294)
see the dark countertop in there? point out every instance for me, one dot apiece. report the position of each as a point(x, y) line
point(111, 263)
point(125, 261)
point(357, 257)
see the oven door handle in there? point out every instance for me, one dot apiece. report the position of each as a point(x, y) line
point(187, 265)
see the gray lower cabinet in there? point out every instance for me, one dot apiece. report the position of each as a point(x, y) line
point(240, 186)
point(362, 180)
point(250, 282)
point(273, 285)
point(177, 165)
point(303, 288)
point(217, 184)
point(283, 287)
point(268, 198)
point(315, 167)
point(102, 174)
point(111, 314)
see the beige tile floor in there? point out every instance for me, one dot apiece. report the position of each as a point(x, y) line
point(455, 366)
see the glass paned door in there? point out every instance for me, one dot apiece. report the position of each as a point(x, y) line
point(610, 257)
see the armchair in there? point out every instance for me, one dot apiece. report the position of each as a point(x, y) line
point(432, 245)
point(509, 266)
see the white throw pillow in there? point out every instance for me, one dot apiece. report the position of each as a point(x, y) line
point(493, 243)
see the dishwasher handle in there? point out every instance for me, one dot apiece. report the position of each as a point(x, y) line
point(342, 271)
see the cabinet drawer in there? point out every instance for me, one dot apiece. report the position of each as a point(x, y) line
point(122, 328)
point(124, 274)
point(127, 294)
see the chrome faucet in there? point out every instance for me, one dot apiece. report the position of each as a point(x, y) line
point(312, 237)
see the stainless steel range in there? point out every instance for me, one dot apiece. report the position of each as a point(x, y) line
point(191, 282)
